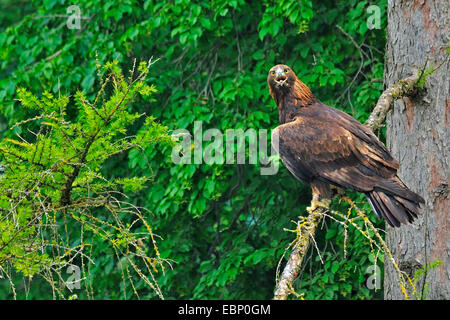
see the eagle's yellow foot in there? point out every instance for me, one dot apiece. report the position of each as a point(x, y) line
point(315, 204)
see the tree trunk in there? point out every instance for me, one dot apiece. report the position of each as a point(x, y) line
point(418, 32)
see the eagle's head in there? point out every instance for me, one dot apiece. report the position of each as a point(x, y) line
point(281, 78)
point(283, 83)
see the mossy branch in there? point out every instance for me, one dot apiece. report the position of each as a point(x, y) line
point(406, 87)
point(306, 228)
point(403, 88)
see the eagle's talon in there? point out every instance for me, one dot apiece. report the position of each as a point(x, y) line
point(311, 208)
point(324, 203)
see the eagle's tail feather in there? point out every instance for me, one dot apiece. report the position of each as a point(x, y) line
point(394, 208)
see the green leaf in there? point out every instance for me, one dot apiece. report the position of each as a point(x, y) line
point(258, 55)
point(335, 267)
point(206, 23)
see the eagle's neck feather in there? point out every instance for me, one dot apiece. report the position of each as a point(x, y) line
point(289, 104)
point(302, 93)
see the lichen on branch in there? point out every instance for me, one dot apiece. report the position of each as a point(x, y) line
point(403, 88)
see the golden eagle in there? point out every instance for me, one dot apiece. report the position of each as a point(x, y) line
point(323, 147)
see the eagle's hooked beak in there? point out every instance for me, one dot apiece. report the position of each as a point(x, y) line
point(280, 77)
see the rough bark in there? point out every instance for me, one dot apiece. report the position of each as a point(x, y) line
point(418, 136)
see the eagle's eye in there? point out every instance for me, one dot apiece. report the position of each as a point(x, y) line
point(272, 73)
point(286, 70)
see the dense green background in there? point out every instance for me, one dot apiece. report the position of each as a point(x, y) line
point(221, 225)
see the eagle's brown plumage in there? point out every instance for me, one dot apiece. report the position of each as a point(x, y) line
point(323, 146)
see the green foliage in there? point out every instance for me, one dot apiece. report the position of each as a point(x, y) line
point(222, 224)
point(421, 274)
point(53, 172)
point(423, 75)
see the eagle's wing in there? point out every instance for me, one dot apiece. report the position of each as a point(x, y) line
point(334, 148)
point(376, 150)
